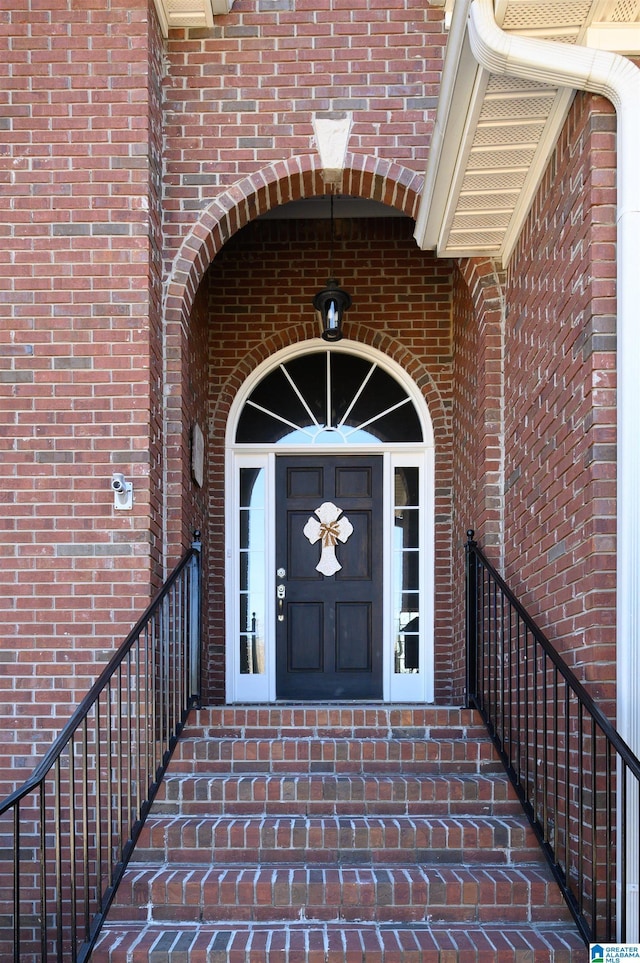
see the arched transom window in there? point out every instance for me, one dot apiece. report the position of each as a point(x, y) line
point(329, 398)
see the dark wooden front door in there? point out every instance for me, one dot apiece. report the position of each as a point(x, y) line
point(329, 622)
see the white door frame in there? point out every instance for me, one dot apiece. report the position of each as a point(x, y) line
point(417, 687)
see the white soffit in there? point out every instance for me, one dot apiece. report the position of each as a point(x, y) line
point(494, 135)
point(189, 13)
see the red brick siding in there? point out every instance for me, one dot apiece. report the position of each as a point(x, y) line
point(560, 399)
point(260, 290)
point(241, 96)
point(156, 334)
point(91, 383)
point(466, 457)
point(195, 381)
point(477, 426)
point(76, 352)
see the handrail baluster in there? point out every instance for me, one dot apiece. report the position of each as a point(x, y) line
point(104, 770)
point(565, 816)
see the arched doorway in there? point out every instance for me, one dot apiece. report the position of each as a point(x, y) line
point(329, 520)
point(294, 179)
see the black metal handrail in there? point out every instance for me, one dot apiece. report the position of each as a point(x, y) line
point(578, 781)
point(67, 834)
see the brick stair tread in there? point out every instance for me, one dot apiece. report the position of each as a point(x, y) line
point(333, 794)
point(335, 754)
point(297, 717)
point(383, 730)
point(340, 943)
point(337, 732)
point(326, 839)
point(411, 894)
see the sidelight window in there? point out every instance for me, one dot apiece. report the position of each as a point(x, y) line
point(252, 570)
point(406, 570)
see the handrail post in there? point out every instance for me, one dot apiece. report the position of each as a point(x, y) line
point(471, 616)
point(194, 618)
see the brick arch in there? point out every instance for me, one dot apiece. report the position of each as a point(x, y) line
point(485, 282)
point(308, 331)
point(283, 181)
point(298, 177)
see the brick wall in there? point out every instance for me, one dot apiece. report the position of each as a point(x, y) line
point(240, 100)
point(467, 454)
point(478, 425)
point(241, 96)
point(154, 161)
point(79, 314)
point(108, 193)
point(560, 399)
point(534, 404)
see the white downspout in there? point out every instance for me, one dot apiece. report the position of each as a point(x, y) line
point(618, 79)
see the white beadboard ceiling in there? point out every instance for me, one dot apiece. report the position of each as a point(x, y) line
point(498, 132)
point(189, 13)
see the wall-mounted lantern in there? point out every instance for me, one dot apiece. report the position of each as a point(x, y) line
point(332, 301)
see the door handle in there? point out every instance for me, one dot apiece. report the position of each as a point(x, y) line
point(281, 592)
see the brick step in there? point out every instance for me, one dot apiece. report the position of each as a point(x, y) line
point(360, 722)
point(339, 755)
point(327, 794)
point(289, 893)
point(336, 840)
point(322, 834)
point(340, 943)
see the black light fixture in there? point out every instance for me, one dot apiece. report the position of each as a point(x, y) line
point(332, 301)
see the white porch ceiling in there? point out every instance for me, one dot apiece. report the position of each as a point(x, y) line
point(494, 135)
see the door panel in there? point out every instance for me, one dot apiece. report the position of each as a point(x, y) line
point(300, 561)
point(304, 620)
point(353, 629)
point(303, 482)
point(329, 628)
point(356, 553)
point(354, 482)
